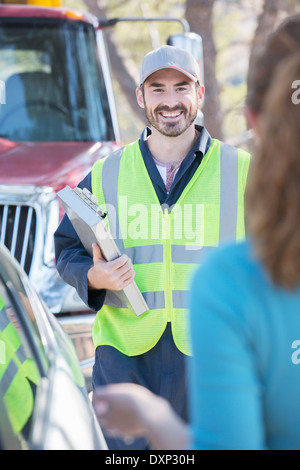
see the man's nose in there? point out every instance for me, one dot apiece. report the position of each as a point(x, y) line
point(171, 98)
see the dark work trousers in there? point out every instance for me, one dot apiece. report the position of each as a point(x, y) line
point(161, 370)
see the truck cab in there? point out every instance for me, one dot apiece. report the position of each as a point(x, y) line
point(57, 117)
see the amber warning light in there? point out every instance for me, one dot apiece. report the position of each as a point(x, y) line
point(42, 3)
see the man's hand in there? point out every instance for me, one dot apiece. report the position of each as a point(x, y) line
point(111, 275)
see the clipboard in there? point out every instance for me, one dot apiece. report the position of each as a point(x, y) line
point(87, 218)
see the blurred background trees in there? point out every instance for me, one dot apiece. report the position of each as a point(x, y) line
point(232, 31)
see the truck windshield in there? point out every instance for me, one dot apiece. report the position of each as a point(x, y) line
point(51, 83)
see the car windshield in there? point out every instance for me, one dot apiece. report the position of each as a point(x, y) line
point(51, 84)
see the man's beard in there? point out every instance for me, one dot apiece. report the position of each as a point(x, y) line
point(171, 129)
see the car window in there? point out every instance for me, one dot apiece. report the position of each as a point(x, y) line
point(21, 366)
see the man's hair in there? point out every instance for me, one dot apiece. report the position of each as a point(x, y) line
point(281, 43)
point(273, 189)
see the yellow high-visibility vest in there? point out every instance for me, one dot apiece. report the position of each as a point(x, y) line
point(165, 243)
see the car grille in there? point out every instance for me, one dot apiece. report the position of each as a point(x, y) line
point(18, 232)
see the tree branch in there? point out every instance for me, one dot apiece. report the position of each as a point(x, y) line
point(123, 69)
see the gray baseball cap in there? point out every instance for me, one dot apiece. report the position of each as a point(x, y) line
point(170, 57)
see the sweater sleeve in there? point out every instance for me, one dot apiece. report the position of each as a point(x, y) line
point(73, 262)
point(225, 394)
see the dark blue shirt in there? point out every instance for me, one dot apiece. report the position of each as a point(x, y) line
point(73, 262)
point(186, 169)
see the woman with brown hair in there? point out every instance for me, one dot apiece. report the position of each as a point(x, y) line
point(246, 330)
point(273, 193)
point(245, 300)
point(282, 43)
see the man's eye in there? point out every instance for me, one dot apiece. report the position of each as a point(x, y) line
point(158, 90)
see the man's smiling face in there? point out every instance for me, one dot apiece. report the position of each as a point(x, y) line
point(171, 101)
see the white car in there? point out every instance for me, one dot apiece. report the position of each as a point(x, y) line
point(54, 412)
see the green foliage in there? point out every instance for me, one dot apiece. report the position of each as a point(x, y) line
point(232, 99)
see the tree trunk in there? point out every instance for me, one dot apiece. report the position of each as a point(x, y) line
point(265, 25)
point(199, 14)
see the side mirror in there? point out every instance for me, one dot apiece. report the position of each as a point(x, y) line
point(192, 42)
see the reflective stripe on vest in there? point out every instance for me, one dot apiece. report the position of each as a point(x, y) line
point(224, 166)
point(8, 376)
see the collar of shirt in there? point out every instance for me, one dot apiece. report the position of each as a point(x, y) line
point(188, 166)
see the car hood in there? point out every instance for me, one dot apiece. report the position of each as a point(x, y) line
point(53, 164)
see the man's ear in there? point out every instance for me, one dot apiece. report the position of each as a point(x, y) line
point(201, 92)
point(140, 97)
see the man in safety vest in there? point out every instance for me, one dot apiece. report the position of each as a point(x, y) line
point(176, 194)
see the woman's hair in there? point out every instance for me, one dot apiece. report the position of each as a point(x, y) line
point(273, 190)
point(280, 44)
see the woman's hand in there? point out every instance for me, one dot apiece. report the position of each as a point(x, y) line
point(129, 410)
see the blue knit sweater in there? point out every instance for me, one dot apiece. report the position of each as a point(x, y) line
point(245, 386)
